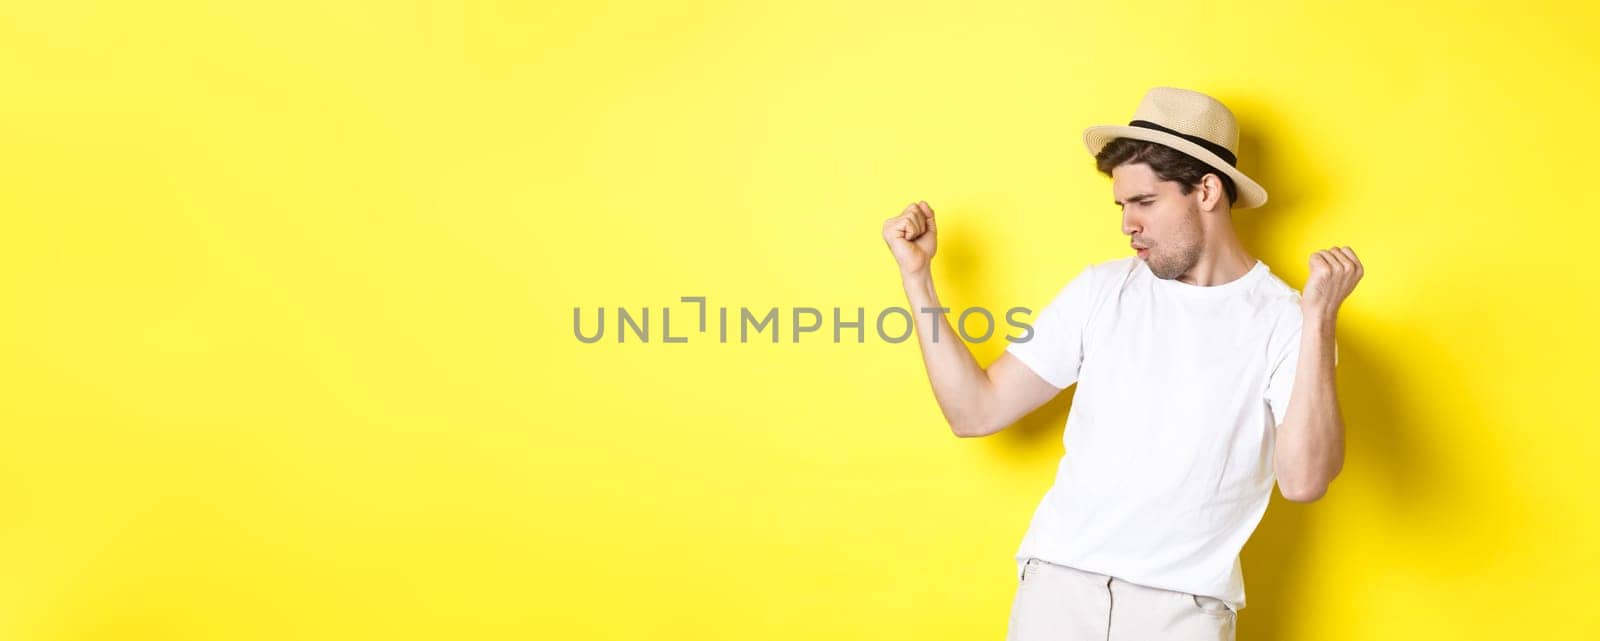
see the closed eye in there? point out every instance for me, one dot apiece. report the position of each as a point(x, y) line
point(1138, 199)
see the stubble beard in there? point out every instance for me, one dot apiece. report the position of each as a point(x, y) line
point(1181, 257)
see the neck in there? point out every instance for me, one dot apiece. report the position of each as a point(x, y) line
point(1223, 261)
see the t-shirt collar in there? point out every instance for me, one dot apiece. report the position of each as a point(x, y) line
point(1185, 289)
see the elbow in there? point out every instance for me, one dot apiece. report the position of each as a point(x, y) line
point(1303, 494)
point(971, 428)
point(1302, 491)
point(963, 430)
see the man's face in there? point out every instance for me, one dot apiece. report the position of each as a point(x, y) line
point(1157, 215)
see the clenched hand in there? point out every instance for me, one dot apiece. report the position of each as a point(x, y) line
point(1334, 274)
point(912, 238)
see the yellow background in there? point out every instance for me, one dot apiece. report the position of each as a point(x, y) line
point(288, 296)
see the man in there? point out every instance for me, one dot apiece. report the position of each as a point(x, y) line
point(1202, 379)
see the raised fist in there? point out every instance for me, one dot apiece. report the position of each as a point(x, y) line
point(1334, 274)
point(912, 237)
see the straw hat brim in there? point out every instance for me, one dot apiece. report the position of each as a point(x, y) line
point(1250, 193)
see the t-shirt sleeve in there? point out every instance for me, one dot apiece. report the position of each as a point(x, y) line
point(1280, 382)
point(1055, 349)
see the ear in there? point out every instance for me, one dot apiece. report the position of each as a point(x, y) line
point(1211, 192)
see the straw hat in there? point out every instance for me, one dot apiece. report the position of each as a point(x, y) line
point(1190, 122)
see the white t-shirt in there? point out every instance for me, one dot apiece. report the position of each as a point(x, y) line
point(1168, 463)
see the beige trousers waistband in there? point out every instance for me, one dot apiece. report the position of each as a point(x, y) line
point(1060, 603)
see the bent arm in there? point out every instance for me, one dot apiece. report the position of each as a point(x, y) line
point(975, 401)
point(1310, 440)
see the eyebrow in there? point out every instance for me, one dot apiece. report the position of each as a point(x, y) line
point(1134, 197)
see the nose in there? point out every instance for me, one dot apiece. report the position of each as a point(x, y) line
point(1129, 225)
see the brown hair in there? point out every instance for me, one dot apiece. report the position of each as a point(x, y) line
point(1166, 162)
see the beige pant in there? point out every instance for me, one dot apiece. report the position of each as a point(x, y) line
point(1059, 603)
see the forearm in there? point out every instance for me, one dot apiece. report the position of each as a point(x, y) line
point(1310, 442)
point(959, 382)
